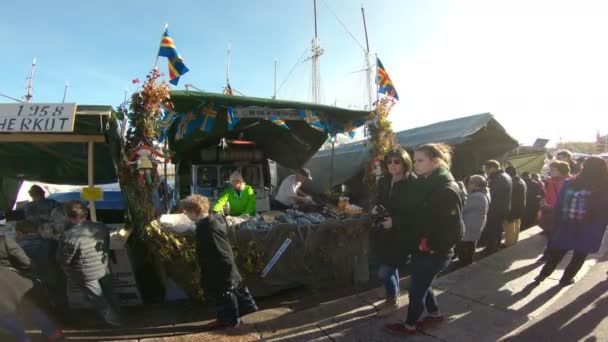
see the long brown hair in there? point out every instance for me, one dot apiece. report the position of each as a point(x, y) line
point(401, 154)
point(593, 177)
point(440, 151)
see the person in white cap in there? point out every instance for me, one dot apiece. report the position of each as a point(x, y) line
point(290, 195)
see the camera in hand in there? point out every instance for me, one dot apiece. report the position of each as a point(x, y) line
point(379, 217)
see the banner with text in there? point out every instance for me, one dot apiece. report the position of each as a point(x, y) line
point(253, 112)
point(37, 117)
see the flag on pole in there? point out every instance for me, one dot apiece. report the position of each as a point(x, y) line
point(385, 85)
point(176, 64)
point(277, 121)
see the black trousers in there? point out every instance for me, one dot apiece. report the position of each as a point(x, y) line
point(554, 256)
point(234, 303)
point(492, 233)
point(465, 251)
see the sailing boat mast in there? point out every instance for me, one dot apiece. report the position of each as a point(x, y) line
point(29, 96)
point(368, 70)
point(228, 64)
point(274, 96)
point(65, 90)
point(317, 51)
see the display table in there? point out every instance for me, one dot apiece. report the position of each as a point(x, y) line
point(331, 253)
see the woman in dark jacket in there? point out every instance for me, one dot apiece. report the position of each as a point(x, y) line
point(388, 248)
point(438, 227)
point(580, 219)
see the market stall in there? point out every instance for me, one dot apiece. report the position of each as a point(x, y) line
point(71, 149)
point(50, 144)
point(327, 247)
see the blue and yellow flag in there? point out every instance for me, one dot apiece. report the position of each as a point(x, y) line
point(313, 120)
point(186, 125)
point(231, 118)
point(349, 129)
point(385, 85)
point(208, 114)
point(176, 64)
point(277, 121)
point(167, 117)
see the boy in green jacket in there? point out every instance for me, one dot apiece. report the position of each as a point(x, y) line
point(240, 197)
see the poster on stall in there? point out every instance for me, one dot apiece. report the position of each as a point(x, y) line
point(276, 257)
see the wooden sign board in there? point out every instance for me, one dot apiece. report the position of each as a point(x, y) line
point(37, 117)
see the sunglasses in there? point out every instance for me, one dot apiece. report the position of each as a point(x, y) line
point(393, 161)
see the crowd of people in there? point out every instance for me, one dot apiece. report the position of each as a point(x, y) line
point(36, 270)
point(428, 218)
point(421, 214)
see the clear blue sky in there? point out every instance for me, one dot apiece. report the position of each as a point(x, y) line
point(539, 66)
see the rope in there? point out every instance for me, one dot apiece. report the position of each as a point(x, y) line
point(292, 69)
point(344, 26)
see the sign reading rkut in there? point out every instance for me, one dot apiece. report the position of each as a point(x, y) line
point(37, 117)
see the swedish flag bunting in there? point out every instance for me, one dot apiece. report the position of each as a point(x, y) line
point(176, 64)
point(167, 117)
point(209, 114)
point(385, 85)
point(313, 120)
point(349, 129)
point(277, 121)
point(184, 127)
point(231, 118)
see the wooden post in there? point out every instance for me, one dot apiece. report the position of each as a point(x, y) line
point(91, 180)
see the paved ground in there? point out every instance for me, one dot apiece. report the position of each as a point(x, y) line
point(491, 300)
point(581, 314)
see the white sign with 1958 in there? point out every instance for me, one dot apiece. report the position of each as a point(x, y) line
point(37, 117)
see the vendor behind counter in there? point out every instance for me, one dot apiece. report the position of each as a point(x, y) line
point(39, 210)
point(239, 198)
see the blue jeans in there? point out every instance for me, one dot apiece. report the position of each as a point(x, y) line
point(423, 270)
point(389, 275)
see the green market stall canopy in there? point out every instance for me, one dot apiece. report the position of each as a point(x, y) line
point(288, 132)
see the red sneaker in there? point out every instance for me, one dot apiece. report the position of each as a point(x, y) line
point(400, 329)
point(219, 325)
point(56, 337)
point(429, 322)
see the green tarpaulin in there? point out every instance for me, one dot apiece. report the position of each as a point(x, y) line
point(532, 162)
point(289, 147)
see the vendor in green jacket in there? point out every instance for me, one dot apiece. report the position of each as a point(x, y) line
point(240, 197)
